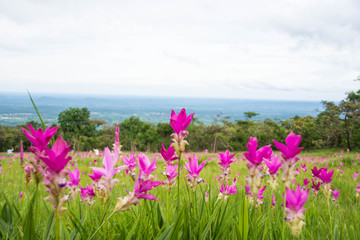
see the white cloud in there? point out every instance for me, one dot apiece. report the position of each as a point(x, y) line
point(307, 50)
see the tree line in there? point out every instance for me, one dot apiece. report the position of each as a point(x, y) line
point(337, 126)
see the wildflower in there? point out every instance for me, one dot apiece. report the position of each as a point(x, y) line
point(194, 169)
point(227, 191)
point(21, 154)
point(273, 167)
point(96, 176)
point(294, 201)
point(74, 177)
point(55, 158)
point(28, 170)
point(289, 152)
point(326, 180)
point(335, 194)
point(225, 161)
point(140, 189)
point(21, 195)
point(116, 146)
point(146, 168)
point(87, 194)
point(273, 202)
point(179, 123)
point(108, 172)
point(260, 196)
point(356, 175)
point(255, 158)
point(168, 154)
point(171, 174)
point(306, 182)
point(357, 190)
point(131, 163)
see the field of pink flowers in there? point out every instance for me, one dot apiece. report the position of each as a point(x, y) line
point(277, 191)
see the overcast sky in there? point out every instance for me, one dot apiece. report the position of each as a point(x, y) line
point(293, 50)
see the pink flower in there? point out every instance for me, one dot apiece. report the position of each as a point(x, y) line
point(55, 157)
point(273, 202)
point(88, 191)
point(355, 176)
point(193, 167)
point(316, 172)
point(291, 150)
point(108, 171)
point(225, 159)
point(130, 162)
point(39, 138)
point(170, 172)
point(255, 157)
point(168, 154)
point(180, 122)
point(74, 177)
point(21, 195)
point(273, 165)
point(260, 195)
point(326, 176)
point(96, 175)
point(335, 194)
point(295, 199)
point(117, 134)
point(306, 182)
point(146, 168)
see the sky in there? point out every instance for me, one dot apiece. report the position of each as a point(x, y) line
point(268, 49)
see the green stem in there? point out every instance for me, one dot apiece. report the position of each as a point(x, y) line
point(57, 225)
point(178, 193)
point(167, 205)
point(328, 203)
point(101, 225)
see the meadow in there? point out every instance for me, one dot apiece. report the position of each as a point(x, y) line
point(259, 194)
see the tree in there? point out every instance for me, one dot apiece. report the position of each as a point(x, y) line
point(249, 115)
point(75, 122)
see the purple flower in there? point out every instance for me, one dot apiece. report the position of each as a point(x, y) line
point(170, 172)
point(74, 177)
point(306, 182)
point(356, 175)
point(316, 172)
point(146, 168)
point(273, 202)
point(295, 199)
point(291, 149)
point(168, 154)
point(108, 171)
point(254, 156)
point(96, 175)
point(273, 165)
point(193, 167)
point(39, 138)
point(225, 159)
point(117, 134)
point(55, 158)
point(326, 176)
point(335, 194)
point(180, 122)
point(130, 162)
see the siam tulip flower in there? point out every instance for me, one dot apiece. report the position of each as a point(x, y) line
point(108, 172)
point(260, 196)
point(56, 158)
point(74, 177)
point(291, 149)
point(131, 163)
point(168, 154)
point(306, 182)
point(225, 161)
point(179, 123)
point(356, 175)
point(336, 195)
point(28, 170)
point(171, 174)
point(273, 202)
point(294, 201)
point(39, 138)
point(194, 169)
point(21, 195)
point(273, 167)
point(21, 154)
point(326, 180)
point(116, 146)
point(289, 152)
point(87, 194)
point(140, 191)
point(303, 167)
point(227, 191)
point(96, 176)
point(255, 158)
point(357, 191)
point(146, 168)
point(316, 172)
point(315, 186)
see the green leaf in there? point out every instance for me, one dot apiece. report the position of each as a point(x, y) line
point(29, 227)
